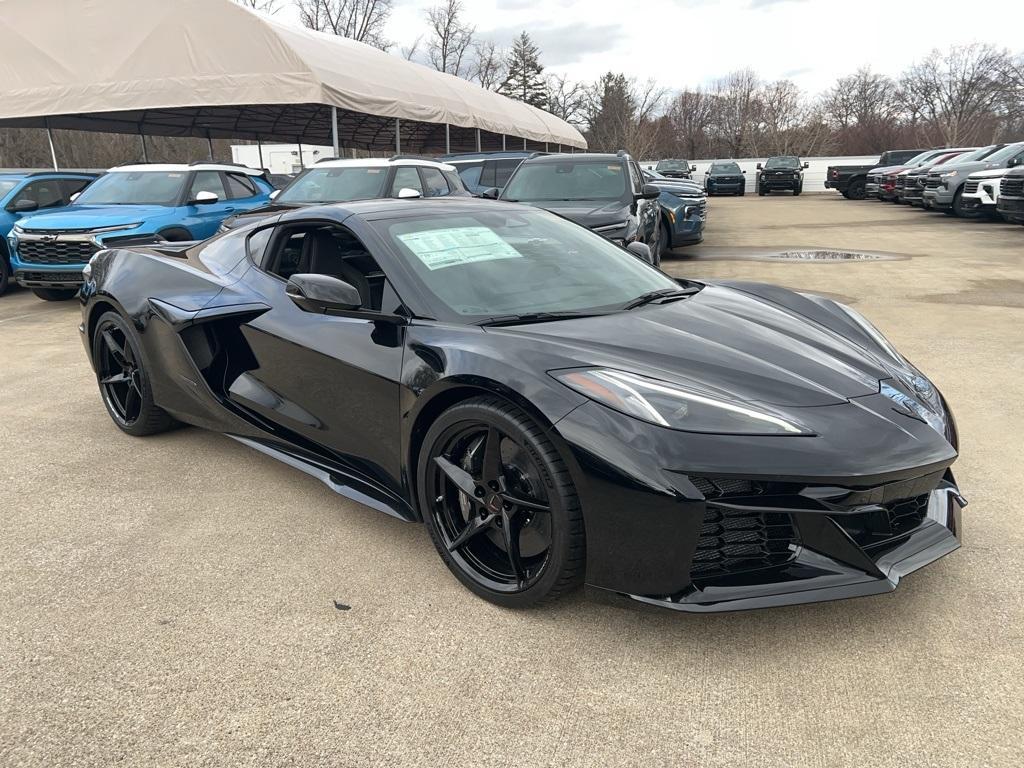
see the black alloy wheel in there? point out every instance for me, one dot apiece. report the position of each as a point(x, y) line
point(664, 240)
point(5, 272)
point(499, 504)
point(857, 190)
point(123, 381)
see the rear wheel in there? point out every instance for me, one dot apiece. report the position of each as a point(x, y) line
point(5, 273)
point(123, 379)
point(499, 504)
point(55, 294)
point(856, 190)
point(664, 239)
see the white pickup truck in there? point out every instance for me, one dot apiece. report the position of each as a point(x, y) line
point(981, 190)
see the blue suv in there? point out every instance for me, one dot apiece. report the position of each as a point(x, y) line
point(129, 205)
point(22, 194)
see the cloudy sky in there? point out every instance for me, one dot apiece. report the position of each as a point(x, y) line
point(691, 42)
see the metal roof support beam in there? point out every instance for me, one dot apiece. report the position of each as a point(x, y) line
point(447, 139)
point(259, 148)
point(302, 164)
point(477, 139)
point(145, 154)
point(524, 143)
point(503, 142)
point(53, 152)
point(334, 130)
point(209, 144)
point(398, 136)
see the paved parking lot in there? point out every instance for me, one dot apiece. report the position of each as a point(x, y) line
point(172, 601)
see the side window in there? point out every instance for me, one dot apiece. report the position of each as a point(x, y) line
point(239, 186)
point(207, 181)
point(503, 171)
point(46, 193)
point(435, 182)
point(73, 187)
point(256, 244)
point(406, 177)
point(327, 249)
point(488, 174)
point(634, 174)
point(470, 175)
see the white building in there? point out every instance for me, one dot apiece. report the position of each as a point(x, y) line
point(279, 158)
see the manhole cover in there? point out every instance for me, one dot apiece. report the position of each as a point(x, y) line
point(827, 256)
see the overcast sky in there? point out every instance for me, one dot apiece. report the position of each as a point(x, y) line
point(684, 43)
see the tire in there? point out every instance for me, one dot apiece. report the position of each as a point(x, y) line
point(176, 235)
point(664, 240)
point(742, 192)
point(55, 294)
point(761, 191)
point(475, 541)
point(5, 273)
point(845, 194)
point(798, 190)
point(123, 379)
point(958, 209)
point(856, 190)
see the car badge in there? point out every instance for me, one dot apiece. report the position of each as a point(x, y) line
point(48, 238)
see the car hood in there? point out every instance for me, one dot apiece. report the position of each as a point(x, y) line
point(589, 213)
point(748, 342)
point(689, 188)
point(963, 168)
point(95, 216)
point(993, 173)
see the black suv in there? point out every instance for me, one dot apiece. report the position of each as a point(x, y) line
point(781, 172)
point(481, 171)
point(606, 193)
point(724, 176)
point(1011, 196)
point(675, 169)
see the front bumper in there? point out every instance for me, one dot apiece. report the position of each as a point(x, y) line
point(1011, 207)
point(771, 182)
point(938, 197)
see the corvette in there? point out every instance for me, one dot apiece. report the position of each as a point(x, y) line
point(552, 408)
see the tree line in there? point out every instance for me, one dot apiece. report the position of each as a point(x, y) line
point(966, 95)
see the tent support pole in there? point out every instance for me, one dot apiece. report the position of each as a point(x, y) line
point(209, 144)
point(524, 143)
point(477, 139)
point(302, 163)
point(503, 142)
point(334, 130)
point(259, 148)
point(447, 139)
point(545, 146)
point(398, 136)
point(145, 153)
point(53, 152)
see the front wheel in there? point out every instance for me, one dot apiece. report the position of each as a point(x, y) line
point(958, 208)
point(55, 294)
point(664, 239)
point(797, 190)
point(123, 378)
point(5, 274)
point(499, 504)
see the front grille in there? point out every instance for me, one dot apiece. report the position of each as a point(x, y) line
point(716, 488)
point(1012, 186)
point(49, 277)
point(933, 181)
point(886, 522)
point(733, 541)
point(57, 252)
point(970, 187)
point(901, 182)
point(873, 178)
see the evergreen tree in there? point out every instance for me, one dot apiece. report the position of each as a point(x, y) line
point(525, 80)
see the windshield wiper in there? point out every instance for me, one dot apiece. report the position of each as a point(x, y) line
point(534, 317)
point(662, 294)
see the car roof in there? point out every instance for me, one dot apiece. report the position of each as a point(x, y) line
point(31, 174)
point(377, 209)
point(599, 157)
point(505, 154)
point(383, 162)
point(183, 167)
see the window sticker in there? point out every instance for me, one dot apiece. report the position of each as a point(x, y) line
point(440, 248)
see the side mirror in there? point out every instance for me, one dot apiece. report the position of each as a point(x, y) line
point(274, 194)
point(23, 206)
point(641, 251)
point(204, 198)
point(649, 192)
point(693, 167)
point(759, 166)
point(491, 193)
point(742, 171)
point(407, 193)
point(807, 165)
point(1013, 162)
point(321, 294)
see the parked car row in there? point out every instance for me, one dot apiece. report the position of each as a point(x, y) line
point(963, 181)
point(53, 223)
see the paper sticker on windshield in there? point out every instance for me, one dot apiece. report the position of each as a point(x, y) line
point(440, 248)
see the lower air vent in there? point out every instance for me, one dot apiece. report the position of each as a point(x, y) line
point(733, 541)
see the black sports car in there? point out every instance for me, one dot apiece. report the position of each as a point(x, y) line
point(551, 407)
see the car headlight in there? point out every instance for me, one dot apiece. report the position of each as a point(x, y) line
point(949, 174)
point(18, 228)
point(670, 405)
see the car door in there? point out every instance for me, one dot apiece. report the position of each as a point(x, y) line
point(242, 191)
point(648, 211)
point(205, 219)
point(331, 381)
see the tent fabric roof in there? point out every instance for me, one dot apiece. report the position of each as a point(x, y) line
point(214, 68)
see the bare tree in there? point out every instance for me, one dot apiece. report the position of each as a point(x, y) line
point(264, 6)
point(866, 111)
point(450, 38)
point(567, 99)
point(690, 114)
point(957, 93)
point(621, 114)
point(362, 20)
point(409, 51)
point(488, 67)
point(737, 110)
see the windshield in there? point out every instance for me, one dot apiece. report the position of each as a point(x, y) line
point(569, 180)
point(725, 168)
point(782, 162)
point(495, 263)
point(335, 185)
point(6, 185)
point(672, 165)
point(1010, 150)
point(134, 188)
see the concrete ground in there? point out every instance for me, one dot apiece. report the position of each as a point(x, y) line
point(173, 601)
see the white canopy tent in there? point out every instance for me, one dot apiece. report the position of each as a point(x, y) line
point(213, 69)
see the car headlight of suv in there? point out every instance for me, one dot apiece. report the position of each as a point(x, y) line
point(673, 406)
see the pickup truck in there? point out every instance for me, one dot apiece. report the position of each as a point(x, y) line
point(850, 180)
